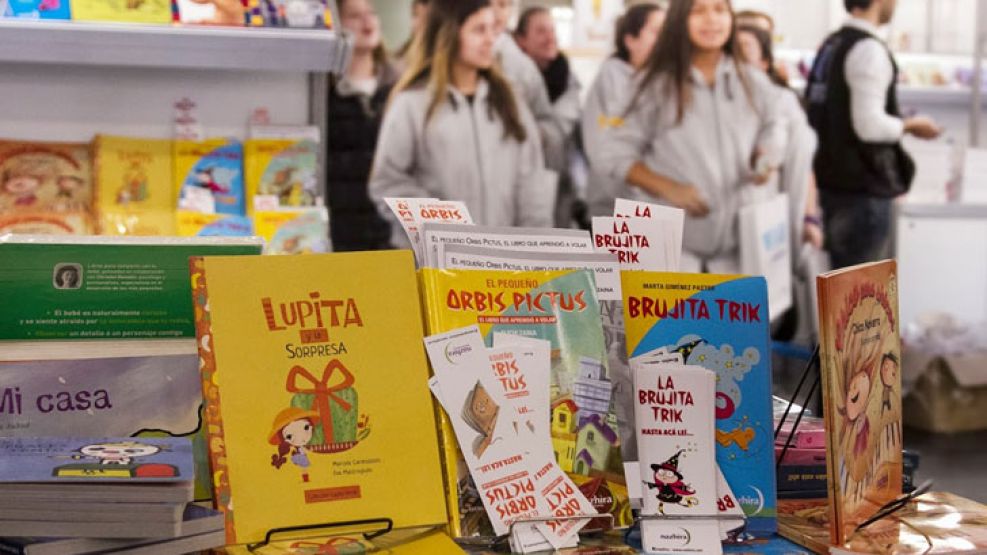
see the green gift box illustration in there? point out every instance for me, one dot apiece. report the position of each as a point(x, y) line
point(333, 396)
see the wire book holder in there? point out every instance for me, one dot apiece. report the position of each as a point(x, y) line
point(503, 540)
point(813, 364)
point(386, 526)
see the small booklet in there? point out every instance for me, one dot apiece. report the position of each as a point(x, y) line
point(411, 213)
point(675, 431)
point(503, 431)
point(673, 222)
point(438, 236)
point(638, 243)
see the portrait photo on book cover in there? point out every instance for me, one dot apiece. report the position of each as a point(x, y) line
point(67, 275)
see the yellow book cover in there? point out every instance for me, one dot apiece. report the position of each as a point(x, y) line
point(860, 354)
point(317, 401)
point(189, 223)
point(46, 188)
point(281, 173)
point(126, 11)
point(134, 186)
point(561, 307)
point(293, 231)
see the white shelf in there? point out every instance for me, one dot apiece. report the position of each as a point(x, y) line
point(165, 46)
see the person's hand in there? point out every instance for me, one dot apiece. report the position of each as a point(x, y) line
point(761, 169)
point(687, 198)
point(812, 232)
point(922, 127)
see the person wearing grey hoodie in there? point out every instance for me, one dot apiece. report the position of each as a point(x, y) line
point(455, 131)
point(529, 87)
point(700, 127)
point(634, 39)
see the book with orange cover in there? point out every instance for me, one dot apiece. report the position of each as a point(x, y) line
point(860, 352)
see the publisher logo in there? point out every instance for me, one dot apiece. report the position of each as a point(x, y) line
point(455, 352)
point(683, 536)
point(754, 503)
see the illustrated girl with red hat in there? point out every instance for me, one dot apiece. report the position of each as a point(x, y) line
point(668, 482)
point(291, 433)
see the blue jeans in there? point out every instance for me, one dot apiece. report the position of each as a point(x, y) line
point(857, 227)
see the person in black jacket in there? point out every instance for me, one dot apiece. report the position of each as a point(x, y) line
point(356, 106)
point(860, 164)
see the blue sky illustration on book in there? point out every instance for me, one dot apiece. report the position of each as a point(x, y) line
point(740, 356)
point(26, 459)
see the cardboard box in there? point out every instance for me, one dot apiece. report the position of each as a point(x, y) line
point(950, 392)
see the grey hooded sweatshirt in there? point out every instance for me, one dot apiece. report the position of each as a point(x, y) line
point(710, 149)
point(462, 153)
point(605, 106)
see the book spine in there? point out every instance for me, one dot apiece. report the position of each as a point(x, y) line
point(826, 361)
point(802, 478)
point(447, 438)
point(222, 495)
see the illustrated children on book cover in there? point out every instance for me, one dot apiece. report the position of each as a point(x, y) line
point(719, 323)
point(46, 188)
point(313, 378)
point(860, 350)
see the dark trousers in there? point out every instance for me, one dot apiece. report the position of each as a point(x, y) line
point(857, 227)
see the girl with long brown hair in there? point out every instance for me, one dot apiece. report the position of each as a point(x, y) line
point(699, 127)
point(454, 129)
point(635, 36)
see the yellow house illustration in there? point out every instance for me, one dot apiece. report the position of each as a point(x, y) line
point(564, 446)
point(564, 417)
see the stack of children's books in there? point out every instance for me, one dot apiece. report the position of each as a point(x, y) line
point(66, 496)
point(800, 454)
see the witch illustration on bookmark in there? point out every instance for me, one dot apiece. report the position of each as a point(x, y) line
point(671, 488)
point(480, 413)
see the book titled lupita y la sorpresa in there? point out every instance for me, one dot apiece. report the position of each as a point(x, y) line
point(860, 352)
point(317, 400)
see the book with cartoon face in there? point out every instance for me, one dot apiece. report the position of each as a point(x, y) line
point(860, 352)
point(315, 383)
point(46, 188)
point(27, 460)
point(719, 323)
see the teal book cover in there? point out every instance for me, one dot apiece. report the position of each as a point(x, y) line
point(721, 324)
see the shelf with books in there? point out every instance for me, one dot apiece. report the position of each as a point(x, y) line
point(165, 46)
